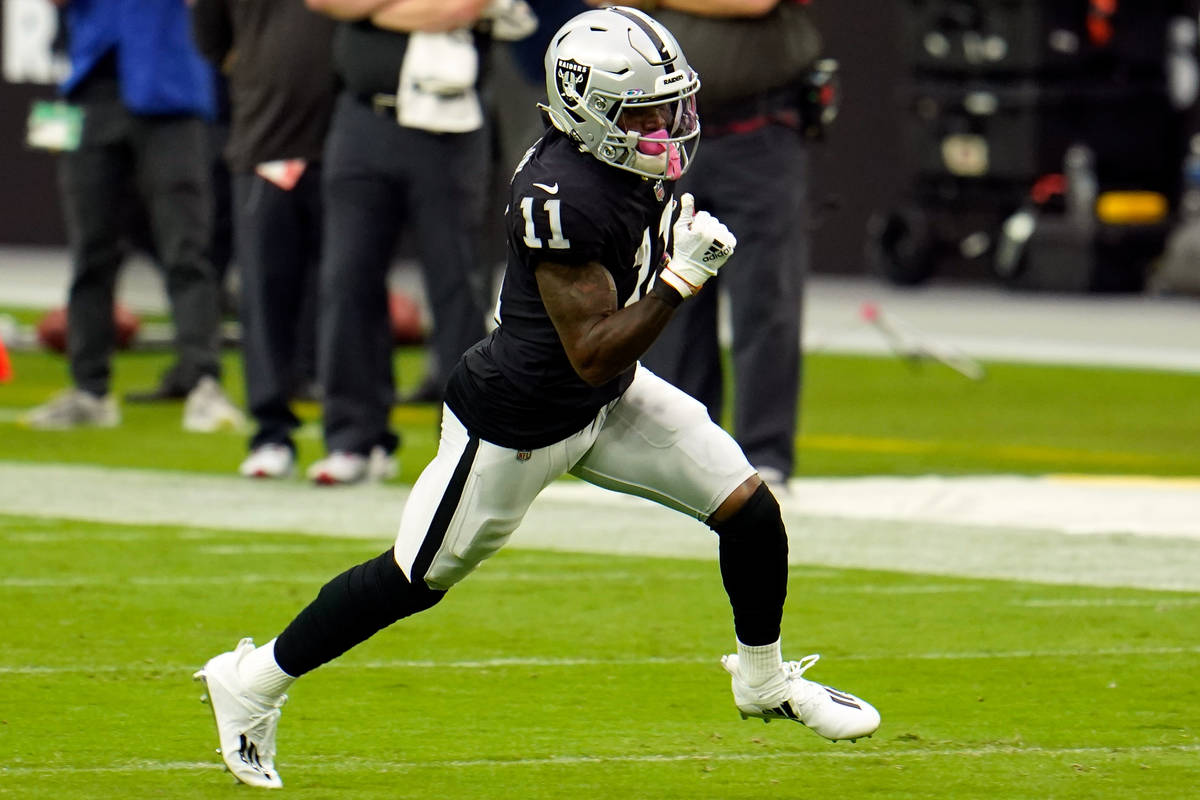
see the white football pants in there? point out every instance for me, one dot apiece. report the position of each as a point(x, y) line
point(654, 441)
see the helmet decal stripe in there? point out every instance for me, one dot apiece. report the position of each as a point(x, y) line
point(655, 39)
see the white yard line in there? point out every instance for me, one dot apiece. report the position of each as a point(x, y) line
point(1134, 533)
point(565, 663)
point(344, 764)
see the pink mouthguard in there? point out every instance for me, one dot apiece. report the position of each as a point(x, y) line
point(674, 164)
point(653, 148)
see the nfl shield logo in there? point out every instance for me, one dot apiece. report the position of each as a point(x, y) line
point(571, 78)
point(524, 455)
point(659, 191)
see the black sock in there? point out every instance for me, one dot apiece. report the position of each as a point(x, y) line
point(753, 555)
point(348, 610)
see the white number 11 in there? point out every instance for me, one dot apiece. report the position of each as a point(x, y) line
point(554, 212)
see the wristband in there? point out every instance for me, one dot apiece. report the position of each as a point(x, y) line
point(667, 293)
point(677, 283)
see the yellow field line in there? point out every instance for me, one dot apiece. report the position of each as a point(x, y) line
point(866, 444)
point(1128, 480)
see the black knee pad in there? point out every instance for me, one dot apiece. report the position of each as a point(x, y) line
point(760, 517)
point(753, 556)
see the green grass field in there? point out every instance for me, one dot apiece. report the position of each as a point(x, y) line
point(861, 416)
point(552, 675)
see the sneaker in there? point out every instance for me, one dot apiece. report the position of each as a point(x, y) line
point(342, 467)
point(208, 410)
point(74, 408)
point(269, 461)
point(246, 721)
point(829, 712)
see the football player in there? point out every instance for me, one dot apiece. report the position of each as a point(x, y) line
point(600, 256)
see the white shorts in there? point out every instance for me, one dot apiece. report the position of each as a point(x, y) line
point(654, 441)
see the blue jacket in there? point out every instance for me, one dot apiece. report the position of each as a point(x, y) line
point(529, 53)
point(158, 67)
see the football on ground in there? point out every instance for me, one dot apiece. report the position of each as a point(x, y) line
point(53, 326)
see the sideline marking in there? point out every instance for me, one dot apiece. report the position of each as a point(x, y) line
point(1108, 602)
point(996, 527)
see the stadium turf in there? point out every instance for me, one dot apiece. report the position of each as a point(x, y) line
point(552, 675)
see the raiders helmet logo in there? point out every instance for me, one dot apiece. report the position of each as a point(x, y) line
point(571, 78)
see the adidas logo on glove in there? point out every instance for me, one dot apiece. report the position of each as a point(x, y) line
point(715, 251)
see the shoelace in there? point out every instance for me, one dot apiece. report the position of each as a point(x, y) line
point(796, 669)
point(802, 690)
point(271, 714)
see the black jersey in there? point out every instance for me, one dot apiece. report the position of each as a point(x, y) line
point(517, 388)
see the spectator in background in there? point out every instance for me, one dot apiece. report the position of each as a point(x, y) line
point(516, 82)
point(144, 94)
point(277, 55)
point(752, 172)
point(406, 146)
point(173, 384)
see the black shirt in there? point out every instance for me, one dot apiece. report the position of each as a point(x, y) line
point(368, 58)
point(281, 80)
point(517, 388)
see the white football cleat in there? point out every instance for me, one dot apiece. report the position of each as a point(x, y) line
point(830, 712)
point(246, 721)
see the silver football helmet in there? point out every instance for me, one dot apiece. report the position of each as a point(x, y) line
point(610, 66)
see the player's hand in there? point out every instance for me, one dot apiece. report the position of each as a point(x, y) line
point(702, 246)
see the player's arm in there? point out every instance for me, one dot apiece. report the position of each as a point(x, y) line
point(428, 15)
point(703, 8)
point(601, 340)
point(346, 9)
point(404, 15)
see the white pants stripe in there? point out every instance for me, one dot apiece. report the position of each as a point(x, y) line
point(654, 442)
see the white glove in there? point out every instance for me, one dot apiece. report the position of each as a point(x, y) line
point(702, 246)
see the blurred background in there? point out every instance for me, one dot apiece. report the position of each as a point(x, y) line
point(955, 117)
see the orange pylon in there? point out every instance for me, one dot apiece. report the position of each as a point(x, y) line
point(6, 370)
